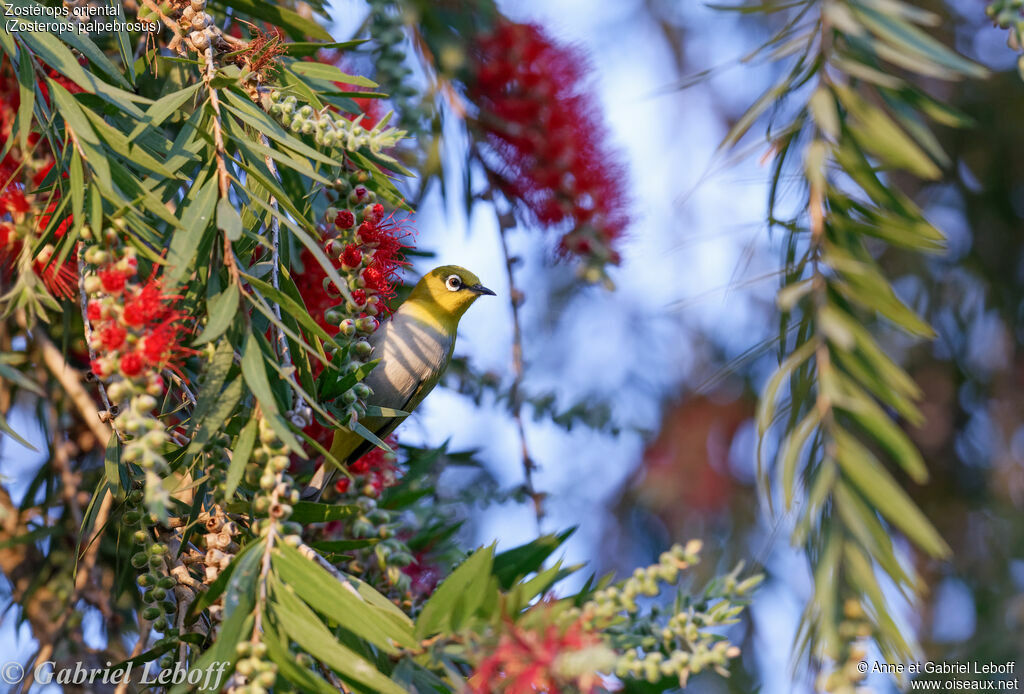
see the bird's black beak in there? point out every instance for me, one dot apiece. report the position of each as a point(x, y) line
point(480, 289)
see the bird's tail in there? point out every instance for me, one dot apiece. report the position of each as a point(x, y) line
point(321, 478)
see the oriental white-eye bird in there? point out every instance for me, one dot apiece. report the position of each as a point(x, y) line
point(414, 349)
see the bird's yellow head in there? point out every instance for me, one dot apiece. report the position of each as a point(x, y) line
point(447, 291)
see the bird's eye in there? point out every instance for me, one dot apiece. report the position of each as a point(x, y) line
point(454, 283)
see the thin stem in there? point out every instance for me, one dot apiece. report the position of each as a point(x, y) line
point(83, 303)
point(519, 370)
point(299, 406)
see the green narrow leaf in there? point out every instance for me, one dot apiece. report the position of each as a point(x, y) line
point(221, 310)
point(740, 128)
point(290, 306)
point(199, 205)
point(228, 219)
point(293, 23)
point(112, 466)
point(306, 680)
point(255, 375)
point(5, 428)
point(329, 597)
point(789, 455)
point(877, 423)
point(876, 132)
point(301, 624)
point(74, 117)
point(908, 38)
point(217, 416)
point(323, 71)
point(240, 457)
point(463, 589)
point(328, 389)
point(861, 467)
point(513, 564)
point(55, 54)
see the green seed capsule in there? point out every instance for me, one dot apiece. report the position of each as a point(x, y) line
point(151, 613)
point(139, 560)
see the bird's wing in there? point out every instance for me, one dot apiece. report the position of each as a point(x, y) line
point(387, 424)
point(346, 454)
point(413, 355)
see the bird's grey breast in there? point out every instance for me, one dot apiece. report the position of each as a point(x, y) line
point(411, 352)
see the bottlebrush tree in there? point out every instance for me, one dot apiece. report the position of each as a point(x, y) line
point(200, 227)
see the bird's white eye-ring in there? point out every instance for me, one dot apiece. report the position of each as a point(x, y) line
point(454, 283)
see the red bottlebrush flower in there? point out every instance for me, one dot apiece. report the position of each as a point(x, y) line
point(148, 304)
point(376, 279)
point(94, 311)
point(113, 280)
point(131, 364)
point(352, 256)
point(424, 575)
point(310, 283)
point(545, 139)
point(345, 220)
point(61, 280)
point(13, 200)
point(525, 661)
point(112, 337)
point(378, 466)
point(359, 297)
point(388, 236)
point(342, 485)
point(97, 367)
point(385, 238)
point(163, 346)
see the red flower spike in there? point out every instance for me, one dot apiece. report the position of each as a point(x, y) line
point(112, 337)
point(113, 280)
point(96, 366)
point(345, 220)
point(147, 305)
point(545, 136)
point(61, 280)
point(524, 661)
point(131, 364)
point(352, 256)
